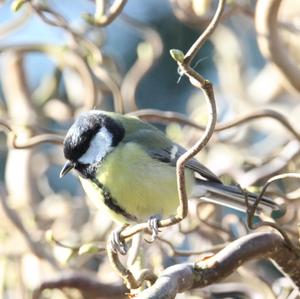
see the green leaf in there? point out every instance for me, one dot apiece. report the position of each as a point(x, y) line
point(177, 55)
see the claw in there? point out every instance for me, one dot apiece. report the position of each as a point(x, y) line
point(153, 226)
point(118, 245)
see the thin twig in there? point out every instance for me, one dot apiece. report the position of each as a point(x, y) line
point(144, 62)
point(252, 209)
point(271, 44)
point(178, 252)
point(130, 281)
point(191, 53)
point(36, 140)
point(169, 116)
point(101, 19)
point(88, 284)
point(36, 247)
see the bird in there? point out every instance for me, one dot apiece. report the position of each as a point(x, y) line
point(128, 167)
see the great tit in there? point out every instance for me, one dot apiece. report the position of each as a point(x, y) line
point(128, 167)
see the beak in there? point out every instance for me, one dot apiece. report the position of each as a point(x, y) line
point(66, 168)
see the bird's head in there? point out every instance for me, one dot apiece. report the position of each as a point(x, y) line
point(92, 136)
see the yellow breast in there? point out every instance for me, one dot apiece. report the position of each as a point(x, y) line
point(143, 187)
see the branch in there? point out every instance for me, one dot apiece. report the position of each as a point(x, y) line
point(270, 43)
point(36, 140)
point(199, 82)
point(168, 116)
point(187, 276)
point(101, 19)
point(88, 285)
point(288, 153)
point(36, 247)
point(146, 59)
point(63, 57)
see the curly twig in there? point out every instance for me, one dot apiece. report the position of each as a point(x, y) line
point(146, 59)
point(169, 116)
point(101, 19)
point(206, 87)
point(36, 140)
point(271, 44)
point(252, 209)
point(35, 246)
point(178, 252)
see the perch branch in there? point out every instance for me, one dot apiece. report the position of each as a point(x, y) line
point(187, 276)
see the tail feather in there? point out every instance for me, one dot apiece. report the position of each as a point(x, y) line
point(233, 197)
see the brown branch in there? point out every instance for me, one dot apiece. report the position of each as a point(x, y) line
point(178, 252)
point(270, 43)
point(64, 57)
point(153, 115)
point(274, 166)
point(103, 75)
point(15, 24)
point(36, 140)
point(130, 281)
point(191, 53)
point(23, 119)
point(5, 126)
point(206, 87)
point(252, 209)
point(183, 277)
point(101, 19)
point(87, 284)
point(169, 116)
point(36, 247)
point(74, 59)
point(144, 62)
point(54, 18)
point(261, 114)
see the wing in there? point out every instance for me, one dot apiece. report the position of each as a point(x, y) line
point(159, 147)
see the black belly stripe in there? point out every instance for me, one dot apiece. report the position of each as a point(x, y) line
point(111, 202)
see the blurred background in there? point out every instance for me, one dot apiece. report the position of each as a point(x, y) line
point(59, 58)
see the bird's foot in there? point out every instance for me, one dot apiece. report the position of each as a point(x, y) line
point(118, 244)
point(153, 227)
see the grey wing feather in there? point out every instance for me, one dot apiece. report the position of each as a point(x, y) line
point(159, 147)
point(165, 155)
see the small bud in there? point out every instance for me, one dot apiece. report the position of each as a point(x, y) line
point(88, 248)
point(177, 55)
point(17, 4)
point(88, 18)
point(49, 237)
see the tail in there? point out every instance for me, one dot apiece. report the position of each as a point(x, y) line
point(233, 197)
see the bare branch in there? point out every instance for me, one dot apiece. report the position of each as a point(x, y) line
point(168, 116)
point(36, 247)
point(101, 19)
point(270, 43)
point(87, 284)
point(151, 51)
point(191, 53)
point(183, 277)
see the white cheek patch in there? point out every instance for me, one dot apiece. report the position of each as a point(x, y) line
point(99, 147)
